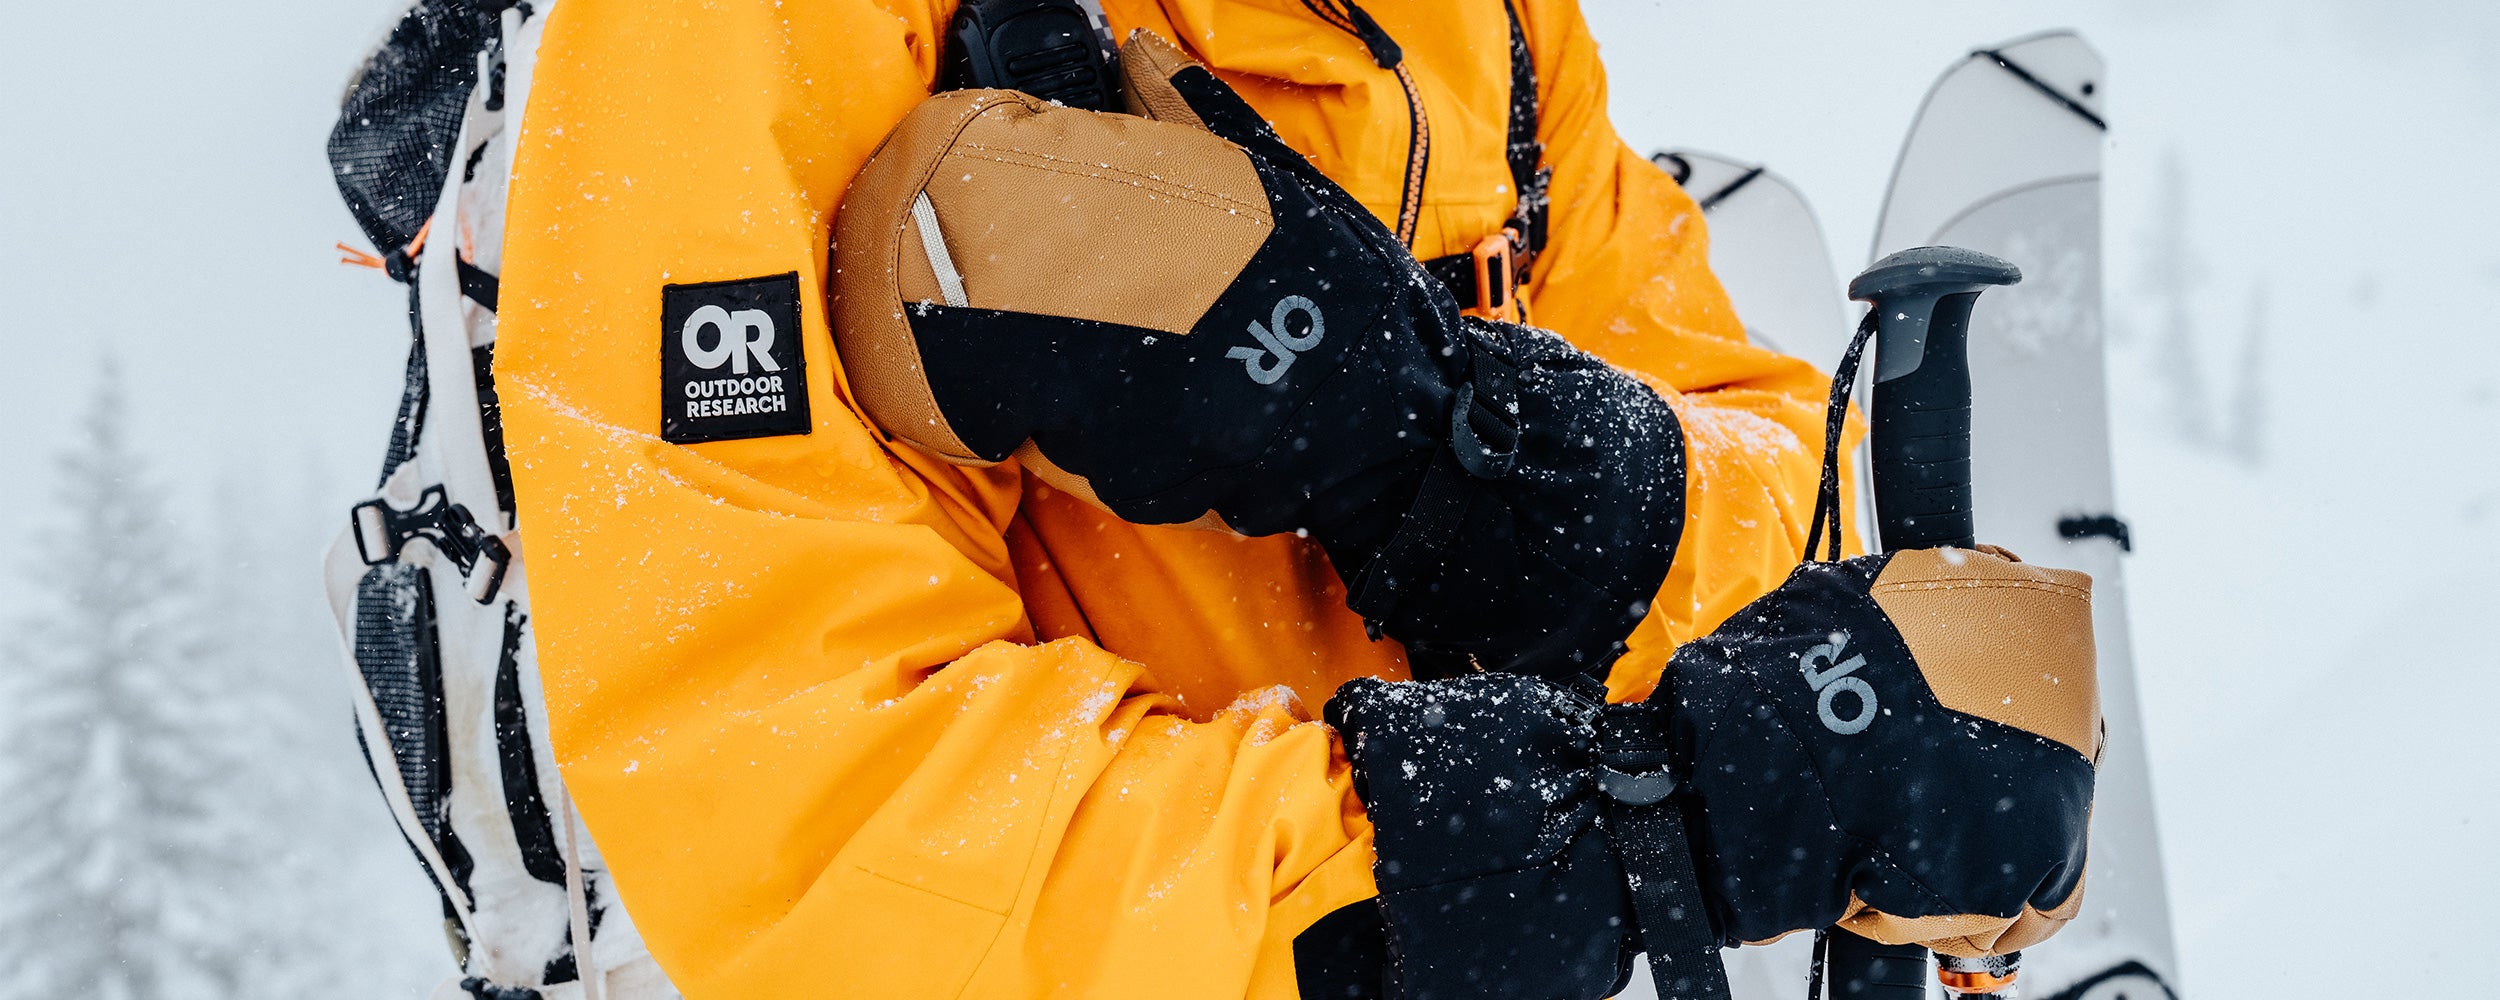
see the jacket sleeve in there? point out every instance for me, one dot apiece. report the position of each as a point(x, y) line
point(791, 680)
point(1625, 274)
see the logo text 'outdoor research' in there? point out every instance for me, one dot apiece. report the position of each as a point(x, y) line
point(1828, 675)
point(730, 360)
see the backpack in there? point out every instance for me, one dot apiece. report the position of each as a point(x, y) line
point(427, 581)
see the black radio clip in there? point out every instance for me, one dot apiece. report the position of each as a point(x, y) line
point(1057, 50)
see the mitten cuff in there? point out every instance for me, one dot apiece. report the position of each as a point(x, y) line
point(1529, 837)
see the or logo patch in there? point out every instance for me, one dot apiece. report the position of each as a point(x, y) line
point(730, 360)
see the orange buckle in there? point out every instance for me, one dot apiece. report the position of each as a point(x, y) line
point(1980, 982)
point(1497, 297)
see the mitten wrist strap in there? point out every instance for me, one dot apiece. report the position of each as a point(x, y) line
point(1645, 826)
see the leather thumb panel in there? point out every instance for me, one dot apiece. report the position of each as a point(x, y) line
point(997, 203)
point(1163, 83)
point(1965, 935)
point(1908, 734)
point(1147, 63)
point(2000, 639)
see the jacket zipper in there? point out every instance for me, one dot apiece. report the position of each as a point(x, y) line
point(1350, 17)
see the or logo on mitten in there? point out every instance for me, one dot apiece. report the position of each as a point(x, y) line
point(1828, 674)
point(1281, 345)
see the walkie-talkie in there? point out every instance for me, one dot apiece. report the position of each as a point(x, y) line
point(1056, 50)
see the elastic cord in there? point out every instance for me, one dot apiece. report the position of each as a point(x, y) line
point(1835, 416)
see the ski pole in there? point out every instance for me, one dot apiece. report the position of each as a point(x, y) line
point(1921, 469)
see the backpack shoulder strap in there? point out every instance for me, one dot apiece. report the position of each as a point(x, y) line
point(1528, 173)
point(1503, 264)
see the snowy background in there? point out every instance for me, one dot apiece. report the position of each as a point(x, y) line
point(2305, 361)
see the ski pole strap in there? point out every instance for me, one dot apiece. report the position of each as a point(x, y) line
point(1835, 417)
point(478, 284)
point(1646, 829)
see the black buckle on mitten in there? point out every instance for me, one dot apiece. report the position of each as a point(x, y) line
point(1484, 444)
point(1484, 425)
point(1632, 757)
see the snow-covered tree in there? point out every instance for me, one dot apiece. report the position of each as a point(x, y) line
point(273, 671)
point(2247, 439)
point(2172, 275)
point(335, 905)
point(120, 847)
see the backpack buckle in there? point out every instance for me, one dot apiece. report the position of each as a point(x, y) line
point(1497, 277)
point(381, 530)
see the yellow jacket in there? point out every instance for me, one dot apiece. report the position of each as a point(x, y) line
point(850, 721)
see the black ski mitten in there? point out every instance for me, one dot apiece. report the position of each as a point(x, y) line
point(1174, 315)
point(1902, 745)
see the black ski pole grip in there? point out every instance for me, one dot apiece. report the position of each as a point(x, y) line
point(1921, 411)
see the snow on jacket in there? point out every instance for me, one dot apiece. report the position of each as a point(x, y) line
point(848, 720)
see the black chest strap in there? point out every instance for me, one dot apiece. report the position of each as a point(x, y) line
point(1486, 277)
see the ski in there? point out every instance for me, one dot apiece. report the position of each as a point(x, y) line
point(1769, 254)
point(2004, 157)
